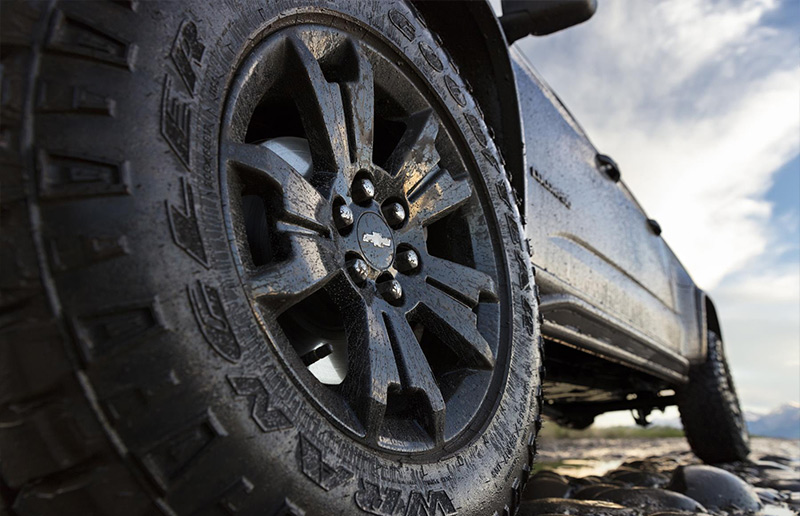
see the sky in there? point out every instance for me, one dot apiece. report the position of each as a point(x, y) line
point(698, 101)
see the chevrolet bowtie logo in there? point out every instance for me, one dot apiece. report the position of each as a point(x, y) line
point(376, 239)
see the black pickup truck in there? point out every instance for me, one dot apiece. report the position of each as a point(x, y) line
point(317, 257)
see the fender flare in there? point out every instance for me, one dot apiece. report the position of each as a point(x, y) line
point(708, 321)
point(478, 46)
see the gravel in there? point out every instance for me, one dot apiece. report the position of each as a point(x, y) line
point(661, 477)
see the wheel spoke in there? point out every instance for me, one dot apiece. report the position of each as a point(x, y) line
point(456, 325)
point(439, 197)
point(320, 106)
point(302, 203)
point(371, 370)
point(416, 155)
point(359, 96)
point(464, 283)
point(416, 373)
point(306, 271)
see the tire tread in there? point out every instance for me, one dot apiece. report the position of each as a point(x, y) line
point(710, 411)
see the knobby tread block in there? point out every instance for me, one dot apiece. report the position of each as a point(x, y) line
point(710, 410)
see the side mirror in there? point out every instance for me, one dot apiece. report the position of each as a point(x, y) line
point(542, 17)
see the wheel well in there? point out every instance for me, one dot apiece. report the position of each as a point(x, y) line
point(712, 322)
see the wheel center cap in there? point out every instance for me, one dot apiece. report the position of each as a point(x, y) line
point(375, 240)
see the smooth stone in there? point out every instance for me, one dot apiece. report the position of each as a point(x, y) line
point(781, 484)
point(715, 488)
point(783, 473)
point(590, 492)
point(642, 478)
point(622, 470)
point(786, 461)
point(546, 473)
point(572, 507)
point(636, 464)
point(653, 464)
point(578, 482)
point(794, 501)
point(769, 496)
point(749, 474)
point(546, 484)
point(765, 465)
point(651, 499)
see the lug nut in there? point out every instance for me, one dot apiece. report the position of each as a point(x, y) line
point(363, 190)
point(407, 261)
point(358, 270)
point(395, 213)
point(391, 290)
point(344, 216)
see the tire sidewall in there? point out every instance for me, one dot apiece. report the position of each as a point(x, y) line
point(254, 440)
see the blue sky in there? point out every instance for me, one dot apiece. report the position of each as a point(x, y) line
point(785, 188)
point(699, 103)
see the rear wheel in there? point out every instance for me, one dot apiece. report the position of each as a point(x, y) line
point(710, 411)
point(264, 260)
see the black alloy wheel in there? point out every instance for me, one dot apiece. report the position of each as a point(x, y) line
point(362, 238)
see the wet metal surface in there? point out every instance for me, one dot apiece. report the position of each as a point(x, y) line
point(609, 283)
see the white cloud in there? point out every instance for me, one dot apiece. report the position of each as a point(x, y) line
point(703, 180)
point(667, 90)
point(765, 290)
point(761, 326)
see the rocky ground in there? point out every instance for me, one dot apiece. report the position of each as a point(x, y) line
point(649, 477)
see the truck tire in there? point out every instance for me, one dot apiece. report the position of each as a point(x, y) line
point(257, 258)
point(710, 411)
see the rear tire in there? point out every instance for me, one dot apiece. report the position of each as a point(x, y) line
point(710, 411)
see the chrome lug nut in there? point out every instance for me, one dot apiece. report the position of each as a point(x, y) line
point(407, 261)
point(363, 190)
point(391, 290)
point(395, 213)
point(344, 216)
point(358, 270)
